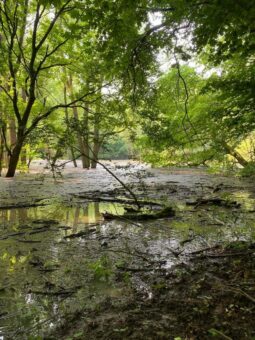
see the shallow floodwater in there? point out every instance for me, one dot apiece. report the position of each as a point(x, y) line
point(47, 273)
point(58, 259)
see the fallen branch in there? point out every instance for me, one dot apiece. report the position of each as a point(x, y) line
point(80, 234)
point(202, 250)
point(214, 201)
point(227, 254)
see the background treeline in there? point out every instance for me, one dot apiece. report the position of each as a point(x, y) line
point(84, 79)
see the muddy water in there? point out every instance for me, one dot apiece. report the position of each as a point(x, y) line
point(58, 259)
point(46, 274)
point(41, 269)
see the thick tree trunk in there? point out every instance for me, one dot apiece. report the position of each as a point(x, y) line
point(231, 151)
point(14, 159)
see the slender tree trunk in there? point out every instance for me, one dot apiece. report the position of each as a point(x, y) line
point(96, 148)
point(231, 151)
point(1, 152)
point(68, 130)
point(80, 141)
point(96, 141)
point(86, 140)
point(76, 117)
point(2, 142)
point(23, 157)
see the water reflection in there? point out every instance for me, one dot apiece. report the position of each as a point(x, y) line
point(71, 216)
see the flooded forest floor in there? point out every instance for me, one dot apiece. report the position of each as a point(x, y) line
point(68, 273)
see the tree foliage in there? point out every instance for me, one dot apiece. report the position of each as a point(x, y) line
point(90, 69)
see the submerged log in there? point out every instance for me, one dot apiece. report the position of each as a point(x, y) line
point(142, 215)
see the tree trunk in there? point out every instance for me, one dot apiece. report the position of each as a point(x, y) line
point(2, 142)
point(14, 158)
point(6, 159)
point(96, 142)
point(80, 141)
point(231, 151)
point(79, 136)
point(86, 140)
point(23, 157)
point(96, 148)
point(13, 136)
point(1, 152)
point(68, 129)
point(86, 155)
